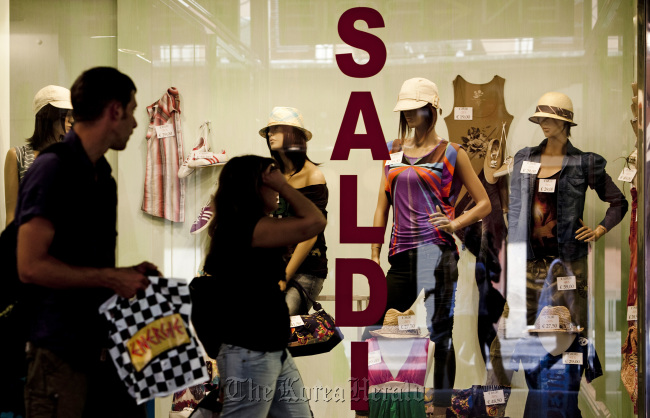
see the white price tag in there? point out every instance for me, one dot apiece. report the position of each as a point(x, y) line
point(572, 358)
point(632, 313)
point(627, 174)
point(530, 167)
point(494, 397)
point(546, 186)
point(296, 321)
point(204, 154)
point(164, 131)
point(463, 113)
point(549, 322)
point(374, 357)
point(566, 283)
point(395, 158)
point(406, 322)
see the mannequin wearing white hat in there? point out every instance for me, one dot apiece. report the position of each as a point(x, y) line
point(421, 182)
point(287, 139)
point(548, 188)
point(53, 112)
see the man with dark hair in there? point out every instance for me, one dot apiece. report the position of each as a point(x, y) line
point(66, 216)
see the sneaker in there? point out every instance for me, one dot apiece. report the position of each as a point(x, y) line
point(201, 147)
point(208, 159)
point(203, 220)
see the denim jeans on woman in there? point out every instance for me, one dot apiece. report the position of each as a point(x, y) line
point(257, 384)
point(312, 285)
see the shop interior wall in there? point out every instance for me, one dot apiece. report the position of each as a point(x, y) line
point(232, 62)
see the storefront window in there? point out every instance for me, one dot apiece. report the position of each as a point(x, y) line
point(493, 63)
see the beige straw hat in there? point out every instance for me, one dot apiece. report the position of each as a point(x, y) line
point(289, 116)
point(416, 93)
point(554, 105)
point(390, 328)
point(564, 320)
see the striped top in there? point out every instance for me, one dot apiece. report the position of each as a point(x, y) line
point(24, 159)
point(415, 189)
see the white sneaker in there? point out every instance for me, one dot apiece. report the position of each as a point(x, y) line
point(200, 148)
point(208, 159)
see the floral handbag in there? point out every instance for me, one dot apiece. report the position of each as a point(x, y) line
point(312, 334)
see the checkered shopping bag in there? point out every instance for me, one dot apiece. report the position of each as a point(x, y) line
point(153, 348)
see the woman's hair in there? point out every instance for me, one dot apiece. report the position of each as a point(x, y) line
point(431, 118)
point(294, 146)
point(238, 198)
point(46, 118)
point(567, 127)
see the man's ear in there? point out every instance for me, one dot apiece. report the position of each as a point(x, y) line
point(115, 110)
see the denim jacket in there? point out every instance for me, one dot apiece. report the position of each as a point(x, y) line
point(579, 170)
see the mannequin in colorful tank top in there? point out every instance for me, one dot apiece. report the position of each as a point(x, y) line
point(482, 131)
point(399, 361)
point(421, 183)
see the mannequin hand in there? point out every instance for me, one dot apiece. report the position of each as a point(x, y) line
point(587, 234)
point(273, 178)
point(283, 285)
point(440, 220)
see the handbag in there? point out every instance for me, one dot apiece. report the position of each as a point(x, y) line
point(315, 333)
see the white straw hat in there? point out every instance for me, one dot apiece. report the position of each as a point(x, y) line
point(57, 96)
point(416, 93)
point(289, 116)
point(390, 328)
point(563, 317)
point(554, 105)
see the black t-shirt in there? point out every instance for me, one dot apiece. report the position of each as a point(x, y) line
point(316, 262)
point(80, 199)
point(251, 311)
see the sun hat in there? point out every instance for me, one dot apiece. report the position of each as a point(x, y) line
point(57, 96)
point(289, 116)
point(390, 328)
point(564, 320)
point(416, 93)
point(554, 105)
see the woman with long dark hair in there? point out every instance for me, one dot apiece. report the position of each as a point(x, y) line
point(53, 112)
point(287, 139)
point(249, 314)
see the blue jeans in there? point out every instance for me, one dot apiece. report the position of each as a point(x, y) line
point(312, 285)
point(257, 384)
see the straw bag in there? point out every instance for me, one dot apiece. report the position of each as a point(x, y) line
point(315, 333)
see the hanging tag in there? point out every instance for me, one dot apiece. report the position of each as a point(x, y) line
point(164, 131)
point(546, 186)
point(463, 113)
point(296, 321)
point(494, 397)
point(566, 283)
point(374, 357)
point(406, 322)
point(632, 313)
point(627, 174)
point(529, 167)
point(549, 322)
point(395, 158)
point(572, 358)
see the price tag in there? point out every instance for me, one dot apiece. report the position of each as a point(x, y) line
point(549, 322)
point(572, 358)
point(463, 113)
point(395, 158)
point(164, 131)
point(632, 313)
point(204, 154)
point(627, 174)
point(406, 322)
point(374, 357)
point(529, 167)
point(494, 397)
point(546, 186)
point(296, 321)
point(566, 283)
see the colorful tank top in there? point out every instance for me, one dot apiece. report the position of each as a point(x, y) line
point(415, 189)
point(413, 371)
